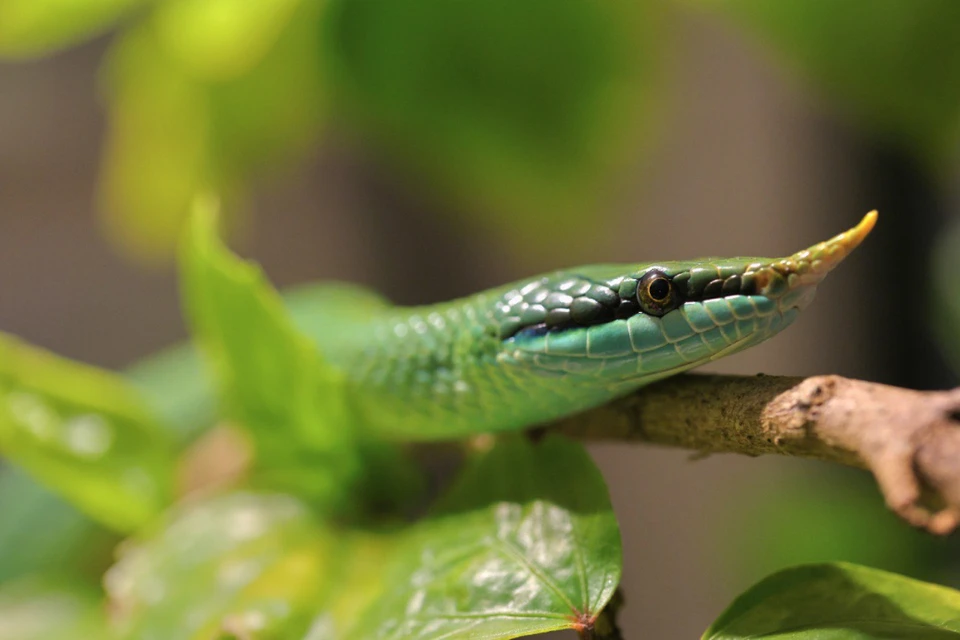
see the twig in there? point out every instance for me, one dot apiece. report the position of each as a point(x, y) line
point(908, 439)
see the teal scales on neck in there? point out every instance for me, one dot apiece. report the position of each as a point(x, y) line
point(545, 347)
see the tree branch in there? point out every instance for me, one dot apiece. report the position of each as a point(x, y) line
point(909, 440)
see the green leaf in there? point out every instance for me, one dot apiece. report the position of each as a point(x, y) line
point(272, 115)
point(250, 565)
point(519, 111)
point(85, 433)
point(361, 557)
point(47, 533)
point(271, 377)
point(37, 27)
point(890, 64)
point(34, 609)
point(157, 154)
point(184, 121)
point(220, 39)
point(840, 601)
point(526, 542)
point(176, 386)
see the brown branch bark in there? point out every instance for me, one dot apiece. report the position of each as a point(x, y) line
point(909, 440)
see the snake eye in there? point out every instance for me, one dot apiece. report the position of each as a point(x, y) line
point(656, 294)
point(659, 289)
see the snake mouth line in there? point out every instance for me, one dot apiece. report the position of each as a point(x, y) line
point(548, 305)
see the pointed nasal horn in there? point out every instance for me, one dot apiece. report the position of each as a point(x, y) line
point(811, 265)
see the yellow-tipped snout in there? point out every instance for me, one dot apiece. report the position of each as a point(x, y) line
point(811, 265)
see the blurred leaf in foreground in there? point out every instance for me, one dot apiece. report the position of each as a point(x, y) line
point(522, 111)
point(840, 601)
point(891, 64)
point(239, 564)
point(271, 377)
point(526, 542)
point(176, 386)
point(41, 533)
point(33, 609)
point(37, 27)
point(359, 574)
point(84, 433)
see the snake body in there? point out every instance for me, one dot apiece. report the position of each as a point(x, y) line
point(554, 344)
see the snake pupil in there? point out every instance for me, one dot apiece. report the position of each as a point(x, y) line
point(659, 289)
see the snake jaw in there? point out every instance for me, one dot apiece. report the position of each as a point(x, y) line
point(725, 305)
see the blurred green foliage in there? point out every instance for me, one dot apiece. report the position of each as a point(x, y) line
point(254, 564)
point(40, 27)
point(817, 512)
point(502, 114)
point(41, 533)
point(38, 609)
point(85, 433)
point(272, 380)
point(521, 112)
point(514, 113)
point(274, 383)
point(239, 563)
point(890, 65)
point(185, 122)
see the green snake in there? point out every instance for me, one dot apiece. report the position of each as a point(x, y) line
point(554, 344)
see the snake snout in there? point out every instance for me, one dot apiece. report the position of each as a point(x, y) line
point(810, 266)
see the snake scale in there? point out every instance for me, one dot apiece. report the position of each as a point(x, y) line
point(554, 344)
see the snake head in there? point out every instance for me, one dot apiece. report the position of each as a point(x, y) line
point(624, 326)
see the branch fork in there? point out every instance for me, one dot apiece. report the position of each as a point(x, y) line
point(909, 440)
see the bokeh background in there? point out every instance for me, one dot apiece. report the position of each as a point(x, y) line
point(432, 148)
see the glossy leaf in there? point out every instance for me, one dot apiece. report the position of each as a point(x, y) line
point(523, 112)
point(840, 602)
point(84, 433)
point(33, 609)
point(271, 378)
point(891, 64)
point(250, 565)
point(36, 27)
point(526, 542)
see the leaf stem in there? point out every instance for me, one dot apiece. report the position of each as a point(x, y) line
point(604, 626)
